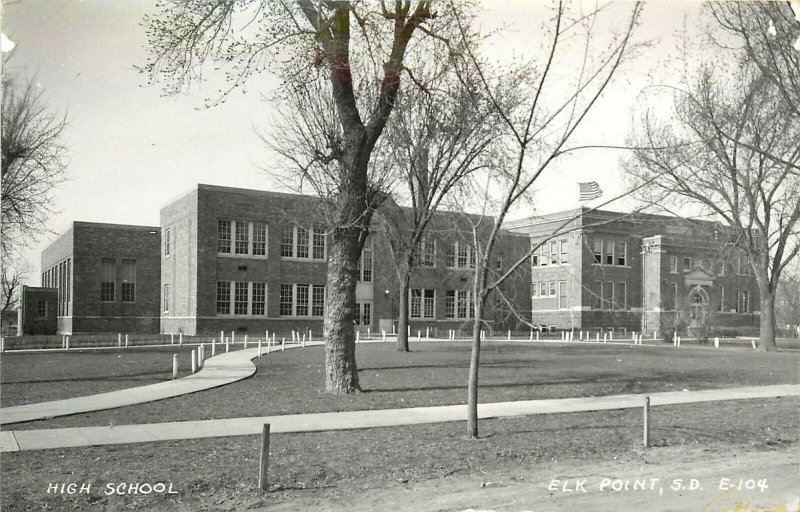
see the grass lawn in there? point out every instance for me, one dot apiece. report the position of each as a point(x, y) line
point(436, 374)
point(30, 377)
point(220, 474)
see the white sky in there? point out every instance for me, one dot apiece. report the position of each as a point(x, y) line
point(133, 149)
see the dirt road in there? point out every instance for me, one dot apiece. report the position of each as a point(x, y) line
point(663, 479)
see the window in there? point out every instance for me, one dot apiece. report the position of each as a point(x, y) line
point(673, 264)
point(287, 300)
point(744, 301)
point(427, 253)
point(687, 263)
point(459, 304)
point(535, 258)
point(128, 280)
point(460, 255)
point(673, 306)
point(622, 296)
point(609, 253)
point(534, 290)
point(287, 242)
point(450, 304)
point(259, 239)
point(301, 300)
point(552, 287)
point(598, 251)
point(259, 298)
point(544, 259)
point(248, 238)
point(608, 295)
point(563, 247)
point(302, 242)
point(562, 295)
point(41, 309)
point(622, 254)
point(500, 261)
point(224, 237)
point(317, 300)
point(543, 289)
point(365, 265)
point(363, 314)
point(597, 295)
point(462, 251)
point(166, 298)
point(240, 298)
point(294, 300)
point(167, 242)
point(422, 303)
point(318, 250)
point(223, 297)
point(108, 278)
point(554, 253)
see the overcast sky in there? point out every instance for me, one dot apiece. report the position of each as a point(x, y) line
point(132, 149)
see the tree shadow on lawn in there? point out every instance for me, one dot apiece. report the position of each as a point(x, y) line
point(127, 376)
point(596, 379)
point(513, 363)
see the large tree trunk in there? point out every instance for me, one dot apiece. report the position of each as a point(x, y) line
point(340, 350)
point(474, 364)
point(402, 316)
point(766, 334)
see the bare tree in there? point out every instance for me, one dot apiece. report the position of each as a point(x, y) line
point(358, 50)
point(787, 302)
point(441, 132)
point(731, 149)
point(14, 275)
point(33, 161)
point(540, 107)
point(768, 32)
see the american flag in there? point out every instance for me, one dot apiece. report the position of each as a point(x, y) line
point(589, 190)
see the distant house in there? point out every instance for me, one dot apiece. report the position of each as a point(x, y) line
point(106, 276)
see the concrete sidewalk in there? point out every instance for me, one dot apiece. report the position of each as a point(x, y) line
point(11, 441)
point(217, 371)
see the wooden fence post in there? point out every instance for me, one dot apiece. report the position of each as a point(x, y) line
point(263, 464)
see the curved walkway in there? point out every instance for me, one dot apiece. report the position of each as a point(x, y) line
point(21, 440)
point(217, 371)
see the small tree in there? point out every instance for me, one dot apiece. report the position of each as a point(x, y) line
point(441, 133)
point(33, 161)
point(539, 114)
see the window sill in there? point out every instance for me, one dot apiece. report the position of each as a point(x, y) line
point(305, 260)
point(612, 266)
point(243, 256)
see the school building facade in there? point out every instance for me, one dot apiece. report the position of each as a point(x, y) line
point(608, 271)
point(248, 261)
point(106, 279)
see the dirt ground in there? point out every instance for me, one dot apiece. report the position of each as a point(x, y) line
point(665, 479)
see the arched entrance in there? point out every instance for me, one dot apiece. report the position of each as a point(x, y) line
point(698, 306)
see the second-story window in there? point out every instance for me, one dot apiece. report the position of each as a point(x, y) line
point(224, 236)
point(242, 238)
point(303, 243)
point(167, 242)
point(563, 248)
point(622, 254)
point(365, 265)
point(598, 251)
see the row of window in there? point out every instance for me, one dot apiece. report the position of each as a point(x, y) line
point(719, 268)
point(242, 238)
point(552, 253)
point(458, 304)
point(609, 295)
point(551, 289)
point(607, 252)
point(60, 276)
point(109, 277)
point(303, 243)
